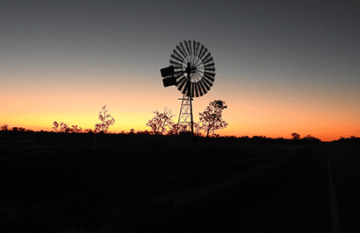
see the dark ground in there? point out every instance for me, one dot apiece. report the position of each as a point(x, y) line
point(141, 183)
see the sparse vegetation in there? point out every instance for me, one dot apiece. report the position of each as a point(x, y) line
point(106, 121)
point(4, 127)
point(211, 118)
point(295, 136)
point(352, 140)
point(161, 123)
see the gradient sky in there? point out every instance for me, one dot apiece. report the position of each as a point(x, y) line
point(281, 66)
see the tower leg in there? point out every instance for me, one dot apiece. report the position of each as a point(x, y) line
point(186, 115)
point(186, 104)
point(191, 115)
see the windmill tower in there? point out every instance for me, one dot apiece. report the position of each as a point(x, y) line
point(192, 71)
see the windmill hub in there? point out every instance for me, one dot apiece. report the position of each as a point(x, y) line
point(190, 69)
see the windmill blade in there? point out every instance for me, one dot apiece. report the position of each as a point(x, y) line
point(175, 63)
point(209, 76)
point(177, 69)
point(199, 89)
point(210, 72)
point(181, 51)
point(196, 89)
point(178, 74)
point(209, 66)
point(181, 82)
point(197, 62)
point(197, 47)
point(203, 50)
point(192, 89)
point(188, 52)
point(191, 46)
point(206, 83)
point(183, 48)
point(183, 91)
point(177, 58)
point(178, 54)
point(193, 51)
point(179, 79)
point(202, 89)
point(186, 88)
point(207, 58)
point(187, 47)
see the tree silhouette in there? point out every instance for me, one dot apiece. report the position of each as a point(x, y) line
point(64, 128)
point(211, 118)
point(56, 126)
point(76, 129)
point(295, 136)
point(161, 121)
point(4, 127)
point(106, 121)
point(174, 129)
point(197, 128)
point(309, 137)
point(88, 131)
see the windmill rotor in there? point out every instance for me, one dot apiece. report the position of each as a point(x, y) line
point(194, 68)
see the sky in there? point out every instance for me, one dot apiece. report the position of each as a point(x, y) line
point(281, 66)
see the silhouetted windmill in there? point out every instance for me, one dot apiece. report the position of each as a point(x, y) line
point(192, 71)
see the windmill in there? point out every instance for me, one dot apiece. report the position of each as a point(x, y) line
point(192, 71)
